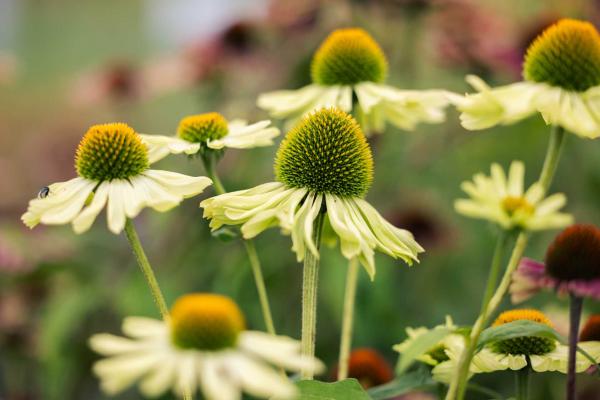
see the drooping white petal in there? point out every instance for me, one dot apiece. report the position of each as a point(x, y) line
point(186, 374)
point(86, 218)
point(119, 194)
point(180, 185)
point(161, 146)
point(107, 344)
point(161, 379)
point(291, 103)
point(119, 372)
point(215, 380)
point(143, 327)
point(488, 361)
point(243, 136)
point(557, 359)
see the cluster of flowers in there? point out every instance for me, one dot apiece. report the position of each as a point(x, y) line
point(323, 170)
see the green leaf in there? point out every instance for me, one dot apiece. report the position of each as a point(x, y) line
point(414, 380)
point(515, 329)
point(225, 234)
point(348, 389)
point(420, 345)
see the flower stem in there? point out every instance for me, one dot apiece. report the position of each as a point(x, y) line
point(494, 269)
point(522, 380)
point(459, 380)
point(347, 319)
point(576, 304)
point(209, 165)
point(142, 261)
point(310, 281)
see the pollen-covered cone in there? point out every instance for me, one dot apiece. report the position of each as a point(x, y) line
point(212, 131)
point(323, 165)
point(113, 168)
point(562, 83)
point(350, 62)
point(203, 347)
point(502, 199)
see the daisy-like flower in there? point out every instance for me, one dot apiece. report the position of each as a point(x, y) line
point(562, 83)
point(350, 62)
point(572, 267)
point(504, 201)
point(368, 367)
point(323, 165)
point(114, 171)
point(210, 130)
point(204, 346)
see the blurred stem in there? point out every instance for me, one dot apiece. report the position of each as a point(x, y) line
point(576, 304)
point(347, 318)
point(459, 380)
point(310, 282)
point(522, 381)
point(494, 268)
point(209, 161)
point(142, 261)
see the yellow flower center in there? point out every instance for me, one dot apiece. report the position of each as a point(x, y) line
point(512, 204)
point(348, 56)
point(205, 322)
point(567, 54)
point(111, 151)
point(526, 345)
point(203, 127)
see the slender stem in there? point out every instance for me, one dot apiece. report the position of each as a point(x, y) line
point(347, 319)
point(209, 165)
point(260, 286)
point(458, 385)
point(522, 382)
point(142, 261)
point(494, 269)
point(574, 317)
point(310, 281)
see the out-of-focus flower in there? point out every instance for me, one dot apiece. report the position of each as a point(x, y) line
point(368, 367)
point(325, 161)
point(351, 63)
point(502, 200)
point(205, 346)
point(428, 228)
point(113, 168)
point(591, 329)
point(290, 15)
point(210, 130)
point(118, 80)
point(562, 83)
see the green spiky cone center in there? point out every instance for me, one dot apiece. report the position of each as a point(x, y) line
point(567, 55)
point(326, 153)
point(203, 127)
point(527, 345)
point(347, 57)
point(111, 151)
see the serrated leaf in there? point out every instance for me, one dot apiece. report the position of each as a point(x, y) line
point(225, 234)
point(348, 389)
point(415, 380)
point(420, 345)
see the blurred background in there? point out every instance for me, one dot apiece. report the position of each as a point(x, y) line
point(68, 64)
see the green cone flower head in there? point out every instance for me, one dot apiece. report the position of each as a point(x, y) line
point(111, 151)
point(567, 54)
point(326, 153)
point(526, 345)
point(203, 127)
point(348, 56)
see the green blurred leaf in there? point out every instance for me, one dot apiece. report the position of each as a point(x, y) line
point(420, 345)
point(225, 234)
point(415, 380)
point(348, 389)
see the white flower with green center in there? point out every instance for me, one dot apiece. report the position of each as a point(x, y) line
point(324, 165)
point(562, 83)
point(114, 171)
point(502, 200)
point(210, 130)
point(350, 62)
point(542, 354)
point(204, 346)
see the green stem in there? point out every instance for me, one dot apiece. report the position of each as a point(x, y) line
point(459, 380)
point(209, 165)
point(310, 281)
point(348, 317)
point(494, 269)
point(142, 261)
point(522, 382)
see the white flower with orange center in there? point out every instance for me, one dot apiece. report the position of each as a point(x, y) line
point(203, 346)
point(562, 83)
point(114, 171)
point(502, 199)
point(210, 130)
point(351, 63)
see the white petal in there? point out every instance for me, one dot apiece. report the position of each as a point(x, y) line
point(161, 146)
point(118, 373)
point(160, 379)
point(86, 218)
point(488, 361)
point(142, 327)
point(118, 196)
point(215, 381)
point(260, 380)
point(292, 103)
point(246, 136)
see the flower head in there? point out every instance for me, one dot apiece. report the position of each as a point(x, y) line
point(200, 132)
point(575, 254)
point(502, 199)
point(369, 368)
point(113, 167)
point(323, 165)
point(348, 56)
point(591, 329)
point(527, 345)
point(204, 345)
point(562, 83)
